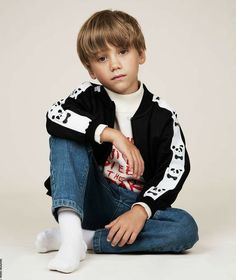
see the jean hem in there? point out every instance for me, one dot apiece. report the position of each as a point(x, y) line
point(66, 203)
point(97, 241)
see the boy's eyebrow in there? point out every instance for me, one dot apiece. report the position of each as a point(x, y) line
point(102, 51)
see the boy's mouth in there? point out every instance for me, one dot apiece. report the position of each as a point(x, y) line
point(117, 77)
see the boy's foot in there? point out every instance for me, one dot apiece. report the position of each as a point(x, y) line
point(73, 248)
point(68, 260)
point(48, 240)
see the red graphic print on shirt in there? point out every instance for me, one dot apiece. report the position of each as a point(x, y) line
point(117, 170)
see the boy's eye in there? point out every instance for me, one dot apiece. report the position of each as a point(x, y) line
point(123, 51)
point(102, 59)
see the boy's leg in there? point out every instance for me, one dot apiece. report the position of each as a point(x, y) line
point(77, 183)
point(168, 231)
point(80, 195)
point(72, 248)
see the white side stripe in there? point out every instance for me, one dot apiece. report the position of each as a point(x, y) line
point(68, 118)
point(175, 169)
point(80, 89)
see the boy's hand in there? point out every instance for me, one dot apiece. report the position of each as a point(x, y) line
point(127, 226)
point(130, 151)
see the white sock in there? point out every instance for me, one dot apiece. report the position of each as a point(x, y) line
point(72, 248)
point(50, 239)
point(88, 237)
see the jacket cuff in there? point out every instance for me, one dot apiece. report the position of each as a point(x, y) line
point(90, 131)
point(146, 207)
point(98, 132)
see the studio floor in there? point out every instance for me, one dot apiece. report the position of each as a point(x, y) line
point(213, 257)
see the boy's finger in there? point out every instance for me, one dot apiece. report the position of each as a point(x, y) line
point(136, 164)
point(132, 238)
point(111, 223)
point(130, 163)
point(140, 158)
point(108, 226)
point(139, 164)
point(112, 232)
point(118, 237)
point(124, 239)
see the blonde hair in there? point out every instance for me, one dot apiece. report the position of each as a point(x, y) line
point(108, 27)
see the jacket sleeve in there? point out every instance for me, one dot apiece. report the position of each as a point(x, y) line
point(73, 118)
point(171, 169)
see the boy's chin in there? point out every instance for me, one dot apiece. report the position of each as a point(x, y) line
point(122, 88)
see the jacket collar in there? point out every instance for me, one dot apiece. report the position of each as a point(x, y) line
point(144, 107)
point(146, 103)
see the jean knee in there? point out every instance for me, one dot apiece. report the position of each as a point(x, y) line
point(188, 230)
point(68, 148)
point(69, 164)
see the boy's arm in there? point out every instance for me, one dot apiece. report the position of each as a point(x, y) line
point(71, 118)
point(172, 168)
point(127, 226)
point(135, 160)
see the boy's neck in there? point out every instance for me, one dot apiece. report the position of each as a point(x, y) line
point(140, 88)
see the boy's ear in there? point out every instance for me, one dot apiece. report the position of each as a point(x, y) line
point(92, 75)
point(142, 57)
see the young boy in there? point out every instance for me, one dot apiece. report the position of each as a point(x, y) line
point(117, 153)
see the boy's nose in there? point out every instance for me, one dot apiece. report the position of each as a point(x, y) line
point(115, 64)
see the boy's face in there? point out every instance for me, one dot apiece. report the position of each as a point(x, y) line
point(117, 69)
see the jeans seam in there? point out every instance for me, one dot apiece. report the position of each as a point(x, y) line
point(125, 204)
point(97, 241)
point(117, 209)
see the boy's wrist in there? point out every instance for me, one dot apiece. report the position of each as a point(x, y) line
point(109, 134)
point(141, 210)
point(98, 133)
point(145, 207)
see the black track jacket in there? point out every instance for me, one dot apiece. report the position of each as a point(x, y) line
point(156, 133)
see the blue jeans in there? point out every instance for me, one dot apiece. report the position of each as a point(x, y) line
point(77, 182)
